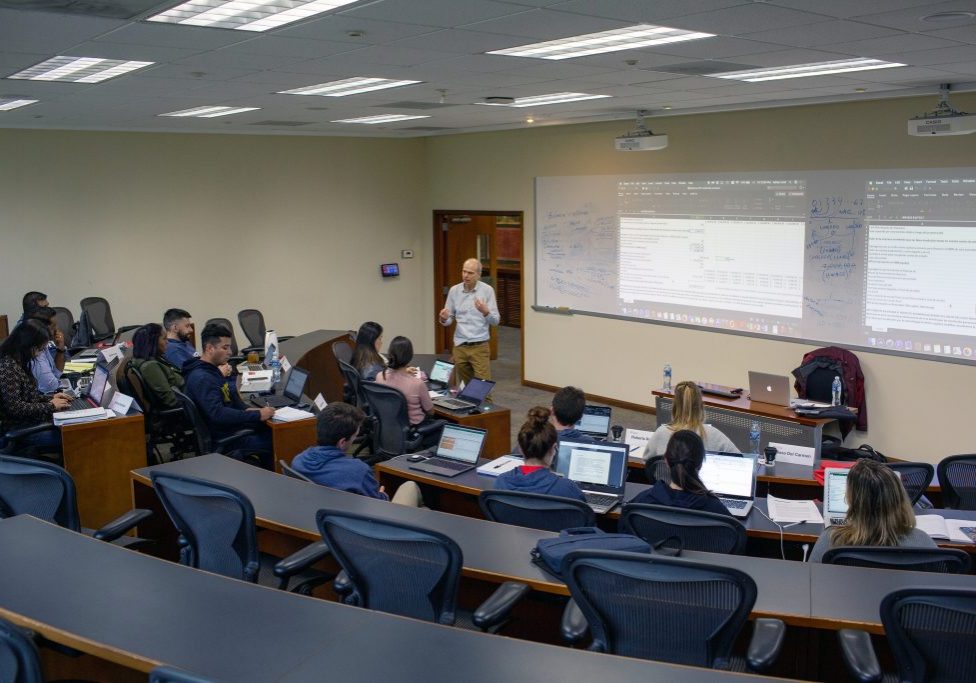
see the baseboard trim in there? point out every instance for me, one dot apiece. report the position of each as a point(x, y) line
point(637, 407)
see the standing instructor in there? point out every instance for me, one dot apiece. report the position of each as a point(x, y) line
point(472, 304)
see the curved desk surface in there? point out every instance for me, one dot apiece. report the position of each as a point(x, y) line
point(312, 351)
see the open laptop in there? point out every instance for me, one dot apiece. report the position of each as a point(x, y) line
point(471, 398)
point(595, 421)
point(97, 391)
point(731, 477)
point(292, 394)
point(835, 496)
point(440, 374)
point(600, 470)
point(458, 451)
point(767, 388)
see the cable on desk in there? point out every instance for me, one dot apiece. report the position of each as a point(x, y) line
point(782, 546)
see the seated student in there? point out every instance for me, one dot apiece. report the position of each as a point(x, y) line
point(47, 367)
point(685, 454)
point(21, 404)
point(400, 375)
point(537, 440)
point(688, 412)
point(567, 409)
point(878, 513)
point(179, 337)
point(327, 463)
point(216, 396)
point(31, 301)
point(366, 357)
point(161, 376)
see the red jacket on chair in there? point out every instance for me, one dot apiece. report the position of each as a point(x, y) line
point(851, 376)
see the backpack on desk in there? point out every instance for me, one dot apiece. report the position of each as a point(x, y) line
point(550, 552)
point(832, 450)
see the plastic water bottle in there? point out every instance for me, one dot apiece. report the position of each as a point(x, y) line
point(667, 377)
point(835, 391)
point(754, 436)
point(275, 365)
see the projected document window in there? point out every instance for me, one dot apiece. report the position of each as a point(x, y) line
point(591, 467)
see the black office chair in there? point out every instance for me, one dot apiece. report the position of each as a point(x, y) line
point(939, 560)
point(100, 319)
point(218, 534)
point(352, 393)
point(669, 609)
point(65, 320)
point(252, 322)
point(393, 434)
point(47, 491)
point(19, 660)
point(14, 442)
point(170, 674)
point(343, 350)
point(236, 355)
point(165, 427)
point(535, 510)
point(289, 471)
point(656, 468)
point(916, 476)
point(410, 571)
point(205, 443)
point(932, 634)
point(663, 526)
point(957, 477)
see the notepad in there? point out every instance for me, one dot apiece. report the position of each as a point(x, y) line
point(955, 530)
point(783, 511)
point(70, 417)
point(498, 466)
point(289, 414)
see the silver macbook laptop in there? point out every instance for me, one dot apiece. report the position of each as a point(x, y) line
point(733, 479)
point(600, 470)
point(292, 394)
point(99, 391)
point(767, 388)
point(473, 395)
point(440, 374)
point(595, 421)
point(458, 451)
point(835, 496)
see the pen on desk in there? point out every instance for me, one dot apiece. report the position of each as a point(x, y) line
point(787, 526)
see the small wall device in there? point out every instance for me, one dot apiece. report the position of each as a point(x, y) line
point(390, 269)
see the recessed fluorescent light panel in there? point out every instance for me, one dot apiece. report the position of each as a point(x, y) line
point(348, 86)
point(209, 112)
point(382, 118)
point(78, 69)
point(541, 100)
point(245, 15)
point(8, 103)
point(777, 73)
point(617, 39)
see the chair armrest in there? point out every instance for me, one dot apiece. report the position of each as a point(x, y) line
point(126, 328)
point(249, 349)
point(429, 427)
point(858, 652)
point(301, 560)
point(218, 444)
point(120, 525)
point(765, 644)
point(345, 589)
point(15, 434)
point(499, 604)
point(573, 626)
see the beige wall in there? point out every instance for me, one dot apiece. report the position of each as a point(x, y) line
point(296, 227)
point(917, 409)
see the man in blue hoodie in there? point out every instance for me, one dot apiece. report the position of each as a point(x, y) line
point(327, 463)
point(218, 401)
point(567, 409)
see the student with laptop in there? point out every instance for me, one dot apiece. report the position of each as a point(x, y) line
point(47, 367)
point(149, 346)
point(328, 464)
point(406, 379)
point(21, 404)
point(537, 440)
point(878, 513)
point(688, 412)
point(568, 405)
point(685, 454)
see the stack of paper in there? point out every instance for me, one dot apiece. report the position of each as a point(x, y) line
point(70, 417)
point(501, 465)
point(783, 511)
point(79, 365)
point(289, 414)
point(955, 530)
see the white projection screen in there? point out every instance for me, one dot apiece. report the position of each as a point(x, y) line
point(883, 260)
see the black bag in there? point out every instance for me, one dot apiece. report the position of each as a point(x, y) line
point(829, 450)
point(550, 552)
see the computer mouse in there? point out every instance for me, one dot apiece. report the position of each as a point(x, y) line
point(417, 458)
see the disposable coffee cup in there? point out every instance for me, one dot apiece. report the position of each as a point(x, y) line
point(769, 456)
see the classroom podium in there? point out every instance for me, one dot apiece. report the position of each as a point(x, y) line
point(313, 352)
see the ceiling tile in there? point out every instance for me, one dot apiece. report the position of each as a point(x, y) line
point(824, 33)
point(47, 32)
point(458, 40)
point(962, 34)
point(335, 27)
point(744, 19)
point(434, 12)
point(638, 11)
point(149, 53)
point(849, 8)
point(960, 53)
point(289, 47)
point(902, 43)
point(539, 25)
point(911, 19)
point(171, 35)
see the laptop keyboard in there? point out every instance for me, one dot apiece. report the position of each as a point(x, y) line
point(600, 499)
point(838, 520)
point(79, 404)
point(453, 404)
point(452, 465)
point(734, 503)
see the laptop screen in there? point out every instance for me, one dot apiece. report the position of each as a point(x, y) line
point(835, 492)
point(296, 383)
point(595, 420)
point(597, 466)
point(476, 390)
point(441, 372)
point(729, 475)
point(461, 443)
point(99, 381)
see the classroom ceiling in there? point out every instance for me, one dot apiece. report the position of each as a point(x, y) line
point(443, 43)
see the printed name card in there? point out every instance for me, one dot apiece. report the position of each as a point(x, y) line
point(797, 455)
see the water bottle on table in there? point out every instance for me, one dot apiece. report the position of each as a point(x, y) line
point(667, 377)
point(275, 366)
point(754, 437)
point(835, 389)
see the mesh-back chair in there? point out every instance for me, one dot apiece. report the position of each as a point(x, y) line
point(234, 350)
point(535, 510)
point(65, 320)
point(343, 349)
point(100, 318)
point(252, 322)
point(170, 674)
point(407, 570)
point(47, 491)
point(932, 634)
point(352, 393)
point(665, 526)
point(14, 442)
point(205, 443)
point(669, 609)
point(957, 477)
point(393, 434)
point(289, 471)
point(19, 660)
point(940, 560)
point(164, 426)
point(217, 533)
point(656, 469)
point(916, 476)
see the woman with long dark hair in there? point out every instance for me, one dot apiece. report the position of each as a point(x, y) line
point(684, 455)
point(401, 376)
point(366, 357)
point(148, 357)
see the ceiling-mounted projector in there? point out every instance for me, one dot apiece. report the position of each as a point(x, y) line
point(945, 120)
point(640, 140)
